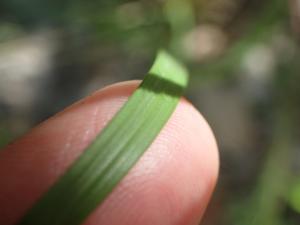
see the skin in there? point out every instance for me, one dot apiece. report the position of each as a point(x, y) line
point(170, 185)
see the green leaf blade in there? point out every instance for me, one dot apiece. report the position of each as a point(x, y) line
point(115, 150)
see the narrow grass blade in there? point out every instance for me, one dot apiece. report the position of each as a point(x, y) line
point(115, 150)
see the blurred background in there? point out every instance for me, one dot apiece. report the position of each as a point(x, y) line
point(243, 56)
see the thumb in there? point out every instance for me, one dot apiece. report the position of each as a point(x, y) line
point(171, 184)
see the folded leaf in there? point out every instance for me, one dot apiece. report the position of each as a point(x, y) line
point(92, 177)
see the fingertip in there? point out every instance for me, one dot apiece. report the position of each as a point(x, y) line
point(171, 183)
